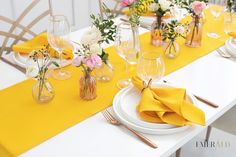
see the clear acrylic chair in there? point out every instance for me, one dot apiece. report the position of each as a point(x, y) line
point(18, 31)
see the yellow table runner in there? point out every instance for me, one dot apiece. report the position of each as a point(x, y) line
point(25, 124)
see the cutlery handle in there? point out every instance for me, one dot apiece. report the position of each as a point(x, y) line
point(141, 137)
point(206, 101)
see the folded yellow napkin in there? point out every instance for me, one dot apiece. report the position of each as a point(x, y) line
point(232, 34)
point(167, 105)
point(39, 42)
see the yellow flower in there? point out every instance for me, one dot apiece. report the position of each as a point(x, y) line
point(143, 6)
point(232, 34)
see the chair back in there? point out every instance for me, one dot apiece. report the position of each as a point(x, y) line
point(113, 5)
point(19, 32)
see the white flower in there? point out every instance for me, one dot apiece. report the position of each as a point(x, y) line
point(153, 7)
point(95, 49)
point(165, 4)
point(91, 36)
point(32, 71)
point(179, 29)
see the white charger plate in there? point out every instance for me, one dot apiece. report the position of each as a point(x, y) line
point(128, 104)
point(22, 59)
point(230, 49)
point(156, 131)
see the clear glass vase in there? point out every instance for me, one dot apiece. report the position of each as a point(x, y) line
point(105, 72)
point(171, 49)
point(135, 45)
point(87, 86)
point(43, 91)
point(194, 34)
point(157, 32)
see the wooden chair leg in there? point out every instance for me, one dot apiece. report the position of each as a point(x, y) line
point(208, 133)
point(177, 154)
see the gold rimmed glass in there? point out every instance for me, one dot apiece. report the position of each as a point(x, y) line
point(128, 48)
point(216, 7)
point(150, 66)
point(58, 32)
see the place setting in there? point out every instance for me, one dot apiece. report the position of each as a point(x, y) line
point(151, 106)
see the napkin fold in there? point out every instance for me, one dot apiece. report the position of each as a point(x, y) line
point(232, 34)
point(167, 105)
point(39, 42)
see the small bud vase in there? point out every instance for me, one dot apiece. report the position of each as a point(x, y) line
point(157, 32)
point(171, 49)
point(105, 72)
point(194, 34)
point(87, 86)
point(43, 91)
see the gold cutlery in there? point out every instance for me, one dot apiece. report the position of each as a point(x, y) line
point(209, 103)
point(206, 101)
point(108, 116)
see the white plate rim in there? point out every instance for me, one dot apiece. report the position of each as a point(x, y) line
point(142, 123)
point(141, 128)
point(17, 59)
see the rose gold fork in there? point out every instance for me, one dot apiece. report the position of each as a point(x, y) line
point(108, 116)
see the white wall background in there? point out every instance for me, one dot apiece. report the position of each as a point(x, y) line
point(77, 11)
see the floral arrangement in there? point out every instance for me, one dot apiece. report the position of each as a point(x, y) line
point(90, 53)
point(173, 30)
point(195, 8)
point(137, 8)
point(37, 67)
point(231, 5)
point(105, 32)
point(160, 8)
point(89, 57)
point(39, 62)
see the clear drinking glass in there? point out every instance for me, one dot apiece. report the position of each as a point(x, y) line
point(229, 22)
point(58, 32)
point(128, 47)
point(216, 7)
point(150, 66)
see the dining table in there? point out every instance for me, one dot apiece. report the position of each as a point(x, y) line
point(210, 76)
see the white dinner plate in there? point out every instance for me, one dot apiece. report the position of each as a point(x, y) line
point(21, 60)
point(230, 49)
point(128, 104)
point(157, 131)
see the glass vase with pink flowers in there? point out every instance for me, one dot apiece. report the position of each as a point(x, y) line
point(89, 57)
point(195, 27)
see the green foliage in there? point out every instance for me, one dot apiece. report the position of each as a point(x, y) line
point(170, 32)
point(186, 4)
point(231, 5)
point(105, 25)
point(104, 56)
point(43, 60)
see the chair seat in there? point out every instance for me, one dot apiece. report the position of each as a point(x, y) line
point(227, 121)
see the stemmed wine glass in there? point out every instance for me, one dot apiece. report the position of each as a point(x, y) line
point(127, 46)
point(216, 7)
point(58, 32)
point(150, 66)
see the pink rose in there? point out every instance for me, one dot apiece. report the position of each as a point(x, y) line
point(77, 61)
point(198, 7)
point(126, 3)
point(93, 61)
point(179, 29)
